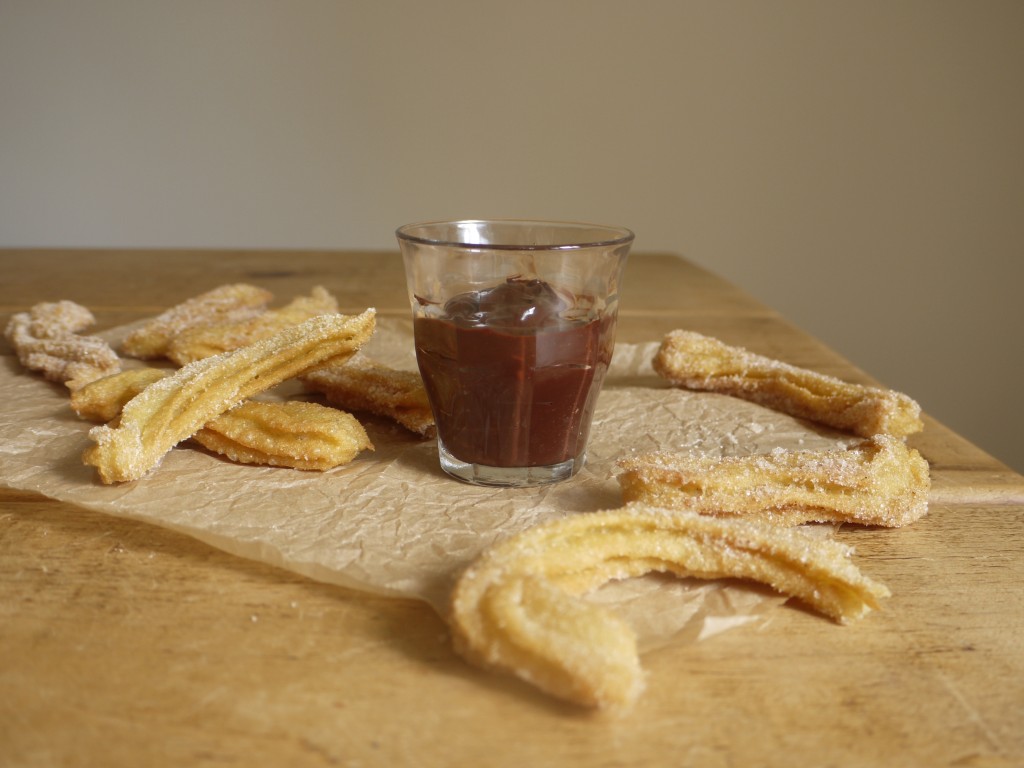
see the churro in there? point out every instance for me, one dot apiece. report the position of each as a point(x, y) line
point(288, 434)
point(226, 303)
point(694, 361)
point(209, 339)
point(364, 385)
point(517, 607)
point(278, 434)
point(46, 339)
point(877, 482)
point(102, 400)
point(175, 408)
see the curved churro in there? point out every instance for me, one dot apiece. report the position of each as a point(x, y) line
point(225, 303)
point(175, 408)
point(517, 608)
point(877, 482)
point(211, 339)
point(694, 361)
point(46, 339)
point(363, 385)
point(289, 434)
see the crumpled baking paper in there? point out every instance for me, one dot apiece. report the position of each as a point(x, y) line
point(392, 522)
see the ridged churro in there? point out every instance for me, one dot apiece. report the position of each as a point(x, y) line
point(288, 434)
point(517, 607)
point(270, 433)
point(694, 361)
point(880, 481)
point(364, 385)
point(208, 339)
point(102, 400)
point(226, 303)
point(175, 408)
point(47, 339)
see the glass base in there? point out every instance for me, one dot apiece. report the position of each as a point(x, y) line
point(508, 477)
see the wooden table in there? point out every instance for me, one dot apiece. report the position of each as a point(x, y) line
point(123, 643)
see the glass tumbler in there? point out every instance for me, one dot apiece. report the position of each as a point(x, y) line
point(514, 325)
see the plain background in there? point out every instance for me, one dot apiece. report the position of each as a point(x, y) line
point(858, 166)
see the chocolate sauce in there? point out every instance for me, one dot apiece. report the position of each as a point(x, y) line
point(513, 373)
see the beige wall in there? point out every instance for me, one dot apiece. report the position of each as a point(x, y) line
point(857, 165)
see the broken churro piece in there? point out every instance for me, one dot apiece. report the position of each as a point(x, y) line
point(211, 339)
point(694, 361)
point(226, 303)
point(364, 385)
point(878, 482)
point(175, 408)
point(517, 607)
point(46, 339)
point(289, 434)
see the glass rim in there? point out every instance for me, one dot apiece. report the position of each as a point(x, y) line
point(616, 235)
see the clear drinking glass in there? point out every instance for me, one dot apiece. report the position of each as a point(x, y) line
point(514, 324)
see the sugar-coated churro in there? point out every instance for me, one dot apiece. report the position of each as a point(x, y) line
point(278, 434)
point(364, 385)
point(517, 608)
point(880, 481)
point(694, 361)
point(102, 400)
point(175, 408)
point(287, 434)
point(47, 339)
point(211, 339)
point(226, 303)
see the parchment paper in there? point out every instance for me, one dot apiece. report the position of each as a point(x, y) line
point(392, 522)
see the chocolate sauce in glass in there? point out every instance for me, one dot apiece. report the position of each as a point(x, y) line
point(513, 373)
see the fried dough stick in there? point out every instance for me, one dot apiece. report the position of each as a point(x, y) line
point(292, 434)
point(46, 339)
point(102, 400)
point(175, 408)
point(517, 607)
point(877, 482)
point(364, 385)
point(222, 304)
point(277, 434)
point(694, 361)
point(209, 339)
